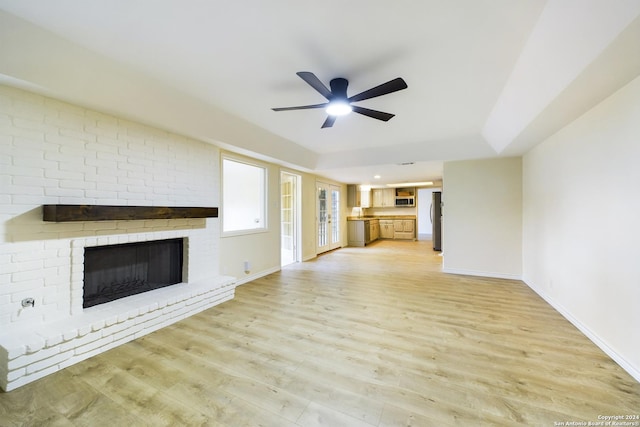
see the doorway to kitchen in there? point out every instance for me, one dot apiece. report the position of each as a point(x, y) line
point(426, 219)
point(424, 223)
point(289, 218)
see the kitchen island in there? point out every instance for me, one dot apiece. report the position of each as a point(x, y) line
point(363, 230)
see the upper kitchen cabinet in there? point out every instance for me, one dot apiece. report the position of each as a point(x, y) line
point(358, 196)
point(406, 192)
point(384, 197)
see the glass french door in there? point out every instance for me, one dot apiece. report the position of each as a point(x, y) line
point(289, 221)
point(328, 203)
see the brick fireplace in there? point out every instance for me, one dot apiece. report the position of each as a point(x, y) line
point(56, 153)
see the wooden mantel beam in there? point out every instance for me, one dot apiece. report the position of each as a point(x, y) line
point(65, 213)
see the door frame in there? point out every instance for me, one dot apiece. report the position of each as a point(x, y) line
point(296, 217)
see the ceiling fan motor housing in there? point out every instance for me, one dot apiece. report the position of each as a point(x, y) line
point(339, 88)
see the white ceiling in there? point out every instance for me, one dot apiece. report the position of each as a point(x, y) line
point(486, 77)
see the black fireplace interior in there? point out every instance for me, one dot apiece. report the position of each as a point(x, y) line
point(117, 271)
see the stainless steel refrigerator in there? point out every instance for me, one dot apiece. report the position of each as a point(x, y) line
point(436, 220)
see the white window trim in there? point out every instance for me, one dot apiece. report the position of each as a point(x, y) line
point(265, 205)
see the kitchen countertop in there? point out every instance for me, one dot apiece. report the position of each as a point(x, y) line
point(391, 217)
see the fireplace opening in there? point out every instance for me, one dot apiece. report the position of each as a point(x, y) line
point(117, 271)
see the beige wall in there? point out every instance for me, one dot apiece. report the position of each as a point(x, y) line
point(258, 248)
point(482, 217)
point(581, 227)
point(308, 225)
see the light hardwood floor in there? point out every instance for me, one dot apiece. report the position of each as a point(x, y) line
point(373, 336)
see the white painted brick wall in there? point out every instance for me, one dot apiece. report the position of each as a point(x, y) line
point(52, 152)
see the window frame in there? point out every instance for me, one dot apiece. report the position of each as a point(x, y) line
point(264, 193)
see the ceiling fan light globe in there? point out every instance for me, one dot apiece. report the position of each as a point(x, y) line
point(338, 108)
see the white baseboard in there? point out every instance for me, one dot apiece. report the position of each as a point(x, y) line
point(481, 273)
point(632, 370)
point(255, 276)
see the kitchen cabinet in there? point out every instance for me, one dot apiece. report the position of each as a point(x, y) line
point(358, 196)
point(364, 231)
point(355, 231)
point(387, 229)
point(383, 197)
point(359, 232)
point(353, 198)
point(374, 230)
point(404, 229)
point(406, 192)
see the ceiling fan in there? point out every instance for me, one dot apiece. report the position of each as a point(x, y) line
point(340, 104)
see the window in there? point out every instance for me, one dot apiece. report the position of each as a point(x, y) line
point(244, 197)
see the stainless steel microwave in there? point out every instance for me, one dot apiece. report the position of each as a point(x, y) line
point(407, 202)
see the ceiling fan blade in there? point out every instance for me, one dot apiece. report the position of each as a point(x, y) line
point(301, 107)
point(380, 115)
point(383, 89)
point(329, 122)
point(315, 83)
